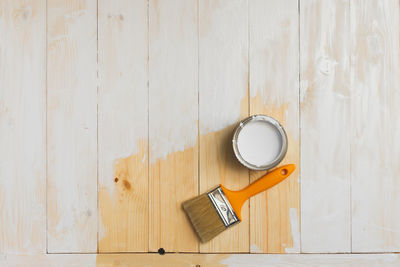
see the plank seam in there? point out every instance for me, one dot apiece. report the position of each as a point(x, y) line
point(148, 126)
point(248, 105)
point(299, 111)
point(198, 105)
point(218, 253)
point(46, 174)
point(351, 126)
point(97, 122)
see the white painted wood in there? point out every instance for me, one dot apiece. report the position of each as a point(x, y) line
point(325, 126)
point(274, 91)
point(173, 64)
point(223, 63)
point(123, 124)
point(22, 126)
point(223, 88)
point(212, 260)
point(376, 125)
point(349, 98)
point(72, 126)
point(306, 260)
point(173, 115)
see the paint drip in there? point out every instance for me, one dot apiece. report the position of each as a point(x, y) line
point(259, 143)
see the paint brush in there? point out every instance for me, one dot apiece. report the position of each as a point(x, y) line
point(213, 212)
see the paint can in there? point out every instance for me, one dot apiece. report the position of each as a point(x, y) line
point(259, 142)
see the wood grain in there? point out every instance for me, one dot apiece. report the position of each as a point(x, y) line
point(223, 81)
point(274, 91)
point(123, 124)
point(134, 112)
point(72, 126)
point(173, 115)
point(22, 126)
point(375, 99)
point(325, 126)
point(209, 260)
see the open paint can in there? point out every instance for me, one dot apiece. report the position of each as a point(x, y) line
point(259, 142)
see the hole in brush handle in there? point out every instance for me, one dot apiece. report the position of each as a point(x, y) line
point(284, 171)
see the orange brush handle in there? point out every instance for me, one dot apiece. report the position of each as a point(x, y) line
point(237, 198)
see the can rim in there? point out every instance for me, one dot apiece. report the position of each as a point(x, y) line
point(277, 125)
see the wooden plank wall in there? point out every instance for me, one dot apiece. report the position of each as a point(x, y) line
point(173, 116)
point(375, 99)
point(223, 96)
point(114, 112)
point(72, 125)
point(213, 260)
point(274, 90)
point(325, 126)
point(22, 126)
point(123, 125)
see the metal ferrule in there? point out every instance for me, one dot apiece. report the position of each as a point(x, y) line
point(223, 207)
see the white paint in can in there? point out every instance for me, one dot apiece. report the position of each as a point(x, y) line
point(259, 143)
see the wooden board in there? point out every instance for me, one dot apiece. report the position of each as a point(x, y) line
point(209, 260)
point(123, 125)
point(173, 116)
point(112, 115)
point(22, 126)
point(325, 126)
point(375, 100)
point(72, 126)
point(274, 91)
point(223, 100)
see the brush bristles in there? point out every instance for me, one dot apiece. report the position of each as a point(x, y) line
point(204, 217)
